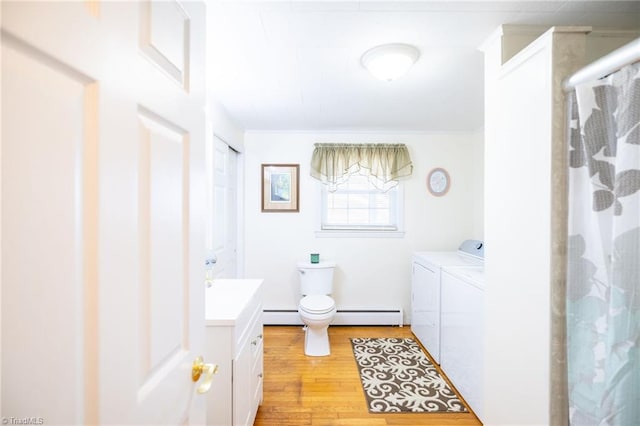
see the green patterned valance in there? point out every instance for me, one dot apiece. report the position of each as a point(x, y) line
point(384, 164)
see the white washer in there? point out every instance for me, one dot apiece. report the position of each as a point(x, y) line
point(462, 331)
point(426, 289)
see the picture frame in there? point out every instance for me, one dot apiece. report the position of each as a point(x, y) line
point(280, 189)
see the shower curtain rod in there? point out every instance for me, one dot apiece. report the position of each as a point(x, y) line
point(625, 55)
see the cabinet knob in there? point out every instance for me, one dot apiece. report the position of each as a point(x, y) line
point(255, 342)
point(260, 375)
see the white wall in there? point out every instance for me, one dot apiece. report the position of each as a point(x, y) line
point(372, 272)
point(477, 184)
point(222, 125)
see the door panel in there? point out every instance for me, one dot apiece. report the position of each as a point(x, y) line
point(48, 236)
point(164, 38)
point(163, 202)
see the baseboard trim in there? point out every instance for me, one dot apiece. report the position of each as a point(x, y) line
point(382, 316)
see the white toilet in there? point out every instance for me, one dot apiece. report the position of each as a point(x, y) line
point(316, 308)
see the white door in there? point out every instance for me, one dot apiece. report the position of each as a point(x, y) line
point(102, 211)
point(225, 211)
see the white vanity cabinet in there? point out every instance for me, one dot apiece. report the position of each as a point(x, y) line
point(234, 341)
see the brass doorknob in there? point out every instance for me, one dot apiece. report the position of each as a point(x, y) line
point(209, 370)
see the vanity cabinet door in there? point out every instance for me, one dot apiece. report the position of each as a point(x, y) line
point(242, 388)
point(247, 373)
point(257, 371)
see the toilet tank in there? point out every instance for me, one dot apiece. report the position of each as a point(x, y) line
point(316, 278)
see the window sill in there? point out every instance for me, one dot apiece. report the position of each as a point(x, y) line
point(359, 234)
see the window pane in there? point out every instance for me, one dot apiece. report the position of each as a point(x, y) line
point(337, 216)
point(359, 201)
point(358, 217)
point(380, 217)
point(380, 201)
point(338, 201)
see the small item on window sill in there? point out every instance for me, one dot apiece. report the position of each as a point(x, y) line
point(315, 258)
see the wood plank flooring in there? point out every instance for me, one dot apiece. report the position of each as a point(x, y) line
point(318, 391)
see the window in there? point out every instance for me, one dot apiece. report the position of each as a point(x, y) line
point(351, 174)
point(358, 206)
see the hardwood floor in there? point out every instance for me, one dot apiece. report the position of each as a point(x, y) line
point(301, 390)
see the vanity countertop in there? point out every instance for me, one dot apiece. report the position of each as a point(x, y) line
point(226, 299)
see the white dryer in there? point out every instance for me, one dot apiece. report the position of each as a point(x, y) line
point(462, 331)
point(426, 289)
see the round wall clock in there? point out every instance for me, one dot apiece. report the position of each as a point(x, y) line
point(438, 182)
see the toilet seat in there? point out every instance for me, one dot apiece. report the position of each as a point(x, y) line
point(317, 304)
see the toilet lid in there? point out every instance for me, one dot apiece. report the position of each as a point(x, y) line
point(317, 303)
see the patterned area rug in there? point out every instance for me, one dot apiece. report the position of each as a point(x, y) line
point(398, 377)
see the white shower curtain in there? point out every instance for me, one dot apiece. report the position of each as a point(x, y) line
point(603, 274)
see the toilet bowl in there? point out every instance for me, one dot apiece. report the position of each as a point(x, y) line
point(317, 312)
point(316, 308)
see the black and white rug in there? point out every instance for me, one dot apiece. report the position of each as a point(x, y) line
point(398, 377)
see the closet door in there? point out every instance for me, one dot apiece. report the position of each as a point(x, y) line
point(223, 244)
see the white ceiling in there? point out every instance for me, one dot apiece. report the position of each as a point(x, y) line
point(295, 65)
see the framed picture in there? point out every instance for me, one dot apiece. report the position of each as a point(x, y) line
point(280, 191)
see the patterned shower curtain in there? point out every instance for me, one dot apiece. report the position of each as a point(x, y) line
point(603, 276)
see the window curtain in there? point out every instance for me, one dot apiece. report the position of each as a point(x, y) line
point(383, 164)
point(603, 271)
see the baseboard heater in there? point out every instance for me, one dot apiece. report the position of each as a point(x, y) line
point(343, 317)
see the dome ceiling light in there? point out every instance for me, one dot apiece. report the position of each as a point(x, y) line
point(390, 61)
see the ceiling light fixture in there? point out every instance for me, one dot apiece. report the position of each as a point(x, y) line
point(390, 61)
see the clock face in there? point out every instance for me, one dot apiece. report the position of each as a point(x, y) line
point(438, 182)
